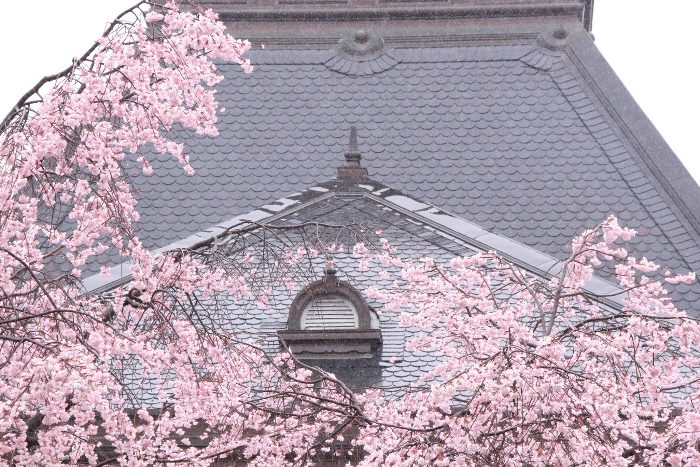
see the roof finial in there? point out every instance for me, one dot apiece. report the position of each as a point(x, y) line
point(353, 157)
point(352, 147)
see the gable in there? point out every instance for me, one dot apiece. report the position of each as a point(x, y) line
point(415, 228)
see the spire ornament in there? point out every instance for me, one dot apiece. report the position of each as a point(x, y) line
point(352, 168)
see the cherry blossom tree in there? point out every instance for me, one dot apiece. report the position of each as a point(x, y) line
point(532, 371)
point(537, 372)
point(74, 366)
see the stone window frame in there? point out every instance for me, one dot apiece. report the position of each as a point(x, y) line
point(329, 285)
point(363, 342)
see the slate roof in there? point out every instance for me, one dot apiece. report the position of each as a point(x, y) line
point(510, 137)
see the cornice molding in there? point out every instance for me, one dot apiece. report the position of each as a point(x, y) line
point(417, 39)
point(305, 13)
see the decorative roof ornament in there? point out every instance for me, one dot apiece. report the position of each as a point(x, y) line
point(361, 46)
point(547, 49)
point(352, 168)
point(361, 54)
point(554, 40)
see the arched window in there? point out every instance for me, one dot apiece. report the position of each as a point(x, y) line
point(329, 319)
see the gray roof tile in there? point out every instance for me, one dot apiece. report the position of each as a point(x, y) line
point(517, 150)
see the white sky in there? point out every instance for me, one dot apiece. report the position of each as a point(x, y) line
point(653, 46)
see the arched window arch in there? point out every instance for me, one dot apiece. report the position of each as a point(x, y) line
point(329, 319)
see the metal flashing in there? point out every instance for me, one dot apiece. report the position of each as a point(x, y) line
point(534, 261)
point(121, 274)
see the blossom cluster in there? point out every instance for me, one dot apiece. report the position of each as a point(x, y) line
point(531, 371)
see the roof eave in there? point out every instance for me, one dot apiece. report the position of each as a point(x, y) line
point(648, 147)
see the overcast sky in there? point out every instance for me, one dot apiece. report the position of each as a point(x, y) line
point(653, 46)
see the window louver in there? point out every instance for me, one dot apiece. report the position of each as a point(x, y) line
point(329, 312)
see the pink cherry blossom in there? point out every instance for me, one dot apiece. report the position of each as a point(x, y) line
point(527, 370)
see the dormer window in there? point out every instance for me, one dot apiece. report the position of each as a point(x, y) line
point(329, 319)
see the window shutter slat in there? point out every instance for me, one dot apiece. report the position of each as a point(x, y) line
point(328, 313)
